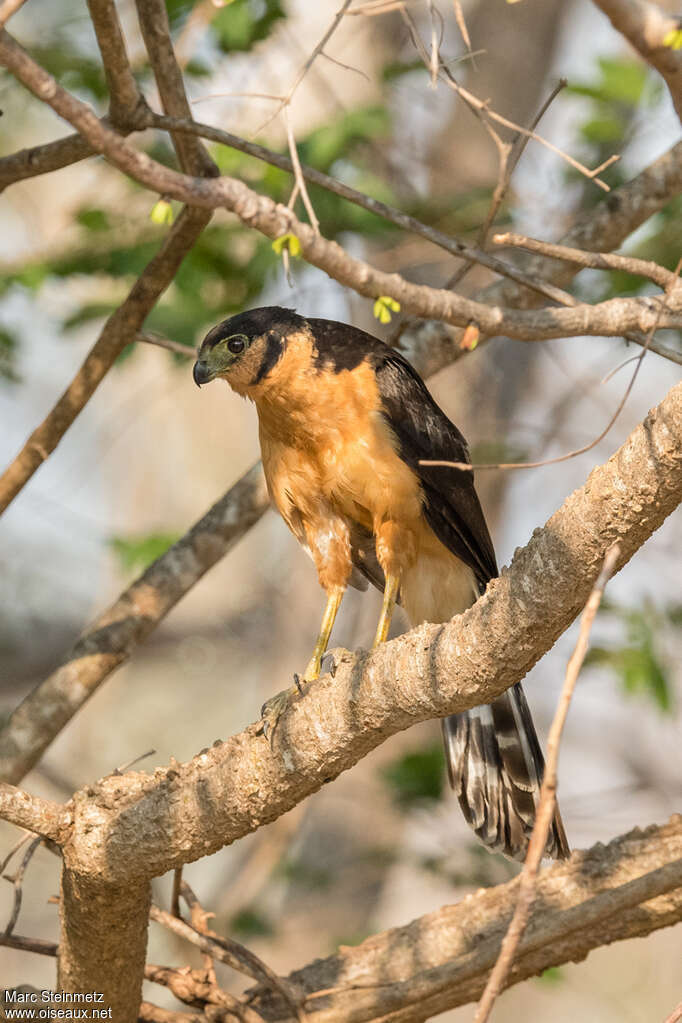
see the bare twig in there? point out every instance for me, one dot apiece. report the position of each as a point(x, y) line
point(482, 109)
point(547, 801)
point(286, 100)
point(199, 918)
point(298, 174)
point(419, 970)
point(17, 879)
point(596, 260)
point(230, 952)
point(466, 467)
point(147, 338)
point(24, 944)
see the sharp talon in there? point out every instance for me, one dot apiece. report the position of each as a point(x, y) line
point(329, 665)
point(271, 712)
point(297, 680)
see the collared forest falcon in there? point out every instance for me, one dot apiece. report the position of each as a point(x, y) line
point(344, 422)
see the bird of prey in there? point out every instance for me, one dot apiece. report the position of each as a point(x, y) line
point(345, 423)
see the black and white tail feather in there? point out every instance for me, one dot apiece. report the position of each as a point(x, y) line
point(496, 766)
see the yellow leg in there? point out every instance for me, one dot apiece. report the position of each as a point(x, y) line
point(333, 604)
point(390, 596)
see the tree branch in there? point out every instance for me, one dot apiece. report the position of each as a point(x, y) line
point(626, 889)
point(127, 108)
point(39, 815)
point(645, 26)
point(193, 809)
point(103, 941)
point(153, 18)
point(434, 345)
point(661, 276)
point(611, 318)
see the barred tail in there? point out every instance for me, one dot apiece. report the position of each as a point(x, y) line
point(496, 766)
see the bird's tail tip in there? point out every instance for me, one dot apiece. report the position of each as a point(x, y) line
point(496, 766)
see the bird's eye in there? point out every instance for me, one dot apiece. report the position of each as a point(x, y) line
point(235, 345)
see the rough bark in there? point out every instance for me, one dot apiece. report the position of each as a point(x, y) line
point(609, 893)
point(103, 941)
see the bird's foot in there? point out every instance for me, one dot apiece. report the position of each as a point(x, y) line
point(272, 709)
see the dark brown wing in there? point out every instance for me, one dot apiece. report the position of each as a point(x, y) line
point(423, 431)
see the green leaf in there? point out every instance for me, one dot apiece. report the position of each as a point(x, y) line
point(551, 976)
point(289, 242)
point(135, 553)
point(250, 923)
point(93, 219)
point(416, 778)
point(384, 306)
point(242, 23)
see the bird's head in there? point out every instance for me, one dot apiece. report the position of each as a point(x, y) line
point(245, 348)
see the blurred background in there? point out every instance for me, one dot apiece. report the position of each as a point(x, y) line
point(385, 842)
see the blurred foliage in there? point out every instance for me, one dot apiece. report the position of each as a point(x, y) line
point(552, 976)
point(618, 97)
point(250, 923)
point(8, 351)
point(618, 94)
point(639, 663)
point(242, 23)
point(135, 553)
point(416, 778)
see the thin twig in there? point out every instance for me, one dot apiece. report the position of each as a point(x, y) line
point(199, 918)
point(482, 108)
point(660, 275)
point(175, 893)
point(232, 954)
point(24, 944)
point(147, 338)
point(298, 173)
point(286, 100)
point(547, 801)
point(17, 879)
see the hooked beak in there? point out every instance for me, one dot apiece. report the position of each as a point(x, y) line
point(201, 373)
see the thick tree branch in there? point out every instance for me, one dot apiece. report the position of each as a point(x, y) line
point(611, 318)
point(626, 889)
point(103, 941)
point(136, 826)
point(645, 26)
